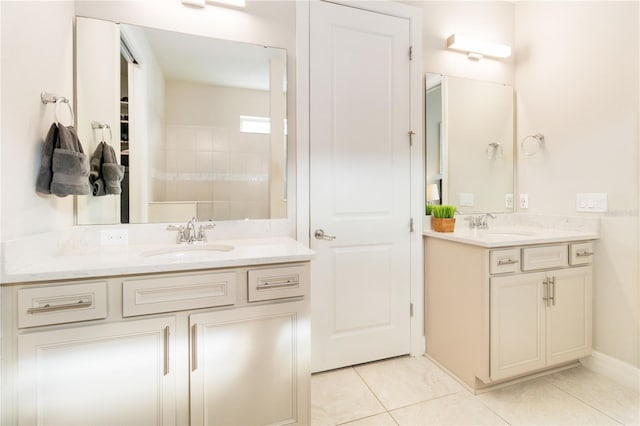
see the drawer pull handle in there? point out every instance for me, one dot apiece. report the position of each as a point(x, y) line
point(507, 262)
point(584, 253)
point(284, 282)
point(167, 335)
point(194, 347)
point(552, 298)
point(545, 283)
point(48, 308)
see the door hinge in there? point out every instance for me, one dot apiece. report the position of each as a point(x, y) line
point(411, 53)
point(410, 309)
point(411, 133)
point(411, 225)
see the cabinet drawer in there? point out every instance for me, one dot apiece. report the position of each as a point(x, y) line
point(504, 261)
point(581, 253)
point(62, 303)
point(143, 296)
point(277, 283)
point(544, 257)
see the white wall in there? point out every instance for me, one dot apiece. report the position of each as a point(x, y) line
point(577, 83)
point(37, 55)
point(484, 20)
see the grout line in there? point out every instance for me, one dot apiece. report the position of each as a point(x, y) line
point(583, 401)
point(373, 392)
point(489, 408)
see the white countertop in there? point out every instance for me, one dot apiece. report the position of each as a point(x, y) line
point(509, 236)
point(100, 261)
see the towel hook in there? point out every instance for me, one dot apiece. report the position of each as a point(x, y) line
point(64, 101)
point(494, 151)
point(48, 98)
point(97, 125)
point(531, 144)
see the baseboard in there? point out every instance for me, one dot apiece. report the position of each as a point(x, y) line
point(621, 372)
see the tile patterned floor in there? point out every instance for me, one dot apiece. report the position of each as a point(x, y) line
point(415, 392)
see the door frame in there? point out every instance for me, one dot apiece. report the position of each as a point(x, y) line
point(417, 192)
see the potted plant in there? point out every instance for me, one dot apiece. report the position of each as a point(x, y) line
point(443, 219)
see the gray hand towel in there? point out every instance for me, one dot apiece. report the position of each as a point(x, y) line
point(112, 172)
point(70, 165)
point(95, 174)
point(43, 181)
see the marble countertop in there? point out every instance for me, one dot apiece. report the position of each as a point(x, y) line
point(100, 261)
point(509, 236)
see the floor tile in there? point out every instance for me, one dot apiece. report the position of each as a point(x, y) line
point(538, 402)
point(458, 409)
point(383, 419)
point(403, 381)
point(340, 396)
point(613, 399)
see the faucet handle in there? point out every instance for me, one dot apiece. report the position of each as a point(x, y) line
point(202, 236)
point(180, 228)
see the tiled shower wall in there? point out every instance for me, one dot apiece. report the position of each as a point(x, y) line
point(227, 178)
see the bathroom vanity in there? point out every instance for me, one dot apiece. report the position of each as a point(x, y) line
point(506, 303)
point(216, 334)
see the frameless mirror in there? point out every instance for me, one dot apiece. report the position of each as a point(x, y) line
point(469, 144)
point(200, 124)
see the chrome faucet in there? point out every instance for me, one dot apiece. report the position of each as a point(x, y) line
point(187, 234)
point(480, 221)
point(191, 231)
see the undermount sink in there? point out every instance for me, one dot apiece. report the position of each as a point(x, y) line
point(186, 251)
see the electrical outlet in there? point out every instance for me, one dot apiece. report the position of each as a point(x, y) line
point(524, 201)
point(508, 200)
point(114, 237)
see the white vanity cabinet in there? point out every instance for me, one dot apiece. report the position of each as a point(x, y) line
point(539, 319)
point(244, 365)
point(91, 374)
point(159, 349)
point(493, 314)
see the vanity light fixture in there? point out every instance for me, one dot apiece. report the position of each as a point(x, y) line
point(476, 49)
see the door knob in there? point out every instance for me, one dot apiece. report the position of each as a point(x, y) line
point(320, 235)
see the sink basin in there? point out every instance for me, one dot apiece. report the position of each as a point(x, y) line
point(186, 251)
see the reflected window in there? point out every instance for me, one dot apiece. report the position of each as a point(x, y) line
point(250, 124)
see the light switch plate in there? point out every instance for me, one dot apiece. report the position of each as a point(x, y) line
point(593, 202)
point(466, 199)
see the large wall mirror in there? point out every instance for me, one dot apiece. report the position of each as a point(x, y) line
point(200, 124)
point(469, 144)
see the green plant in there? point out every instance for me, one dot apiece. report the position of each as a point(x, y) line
point(429, 208)
point(444, 211)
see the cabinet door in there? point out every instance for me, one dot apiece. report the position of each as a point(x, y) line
point(246, 366)
point(110, 374)
point(517, 324)
point(569, 315)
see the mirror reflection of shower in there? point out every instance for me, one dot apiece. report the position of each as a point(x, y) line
point(202, 123)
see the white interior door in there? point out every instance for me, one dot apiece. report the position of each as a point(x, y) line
point(359, 185)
